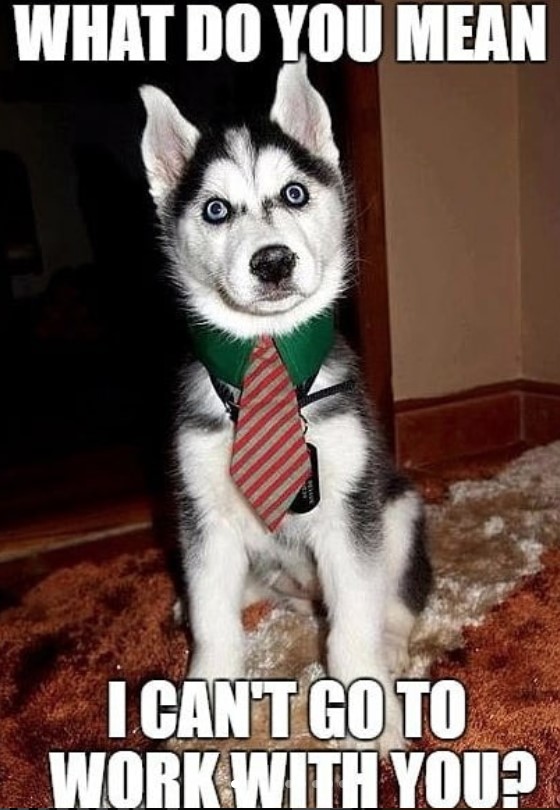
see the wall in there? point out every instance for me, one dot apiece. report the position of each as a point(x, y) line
point(450, 142)
point(539, 106)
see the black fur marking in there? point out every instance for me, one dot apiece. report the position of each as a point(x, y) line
point(334, 406)
point(208, 424)
point(210, 147)
point(417, 578)
point(266, 133)
point(364, 511)
point(396, 485)
point(263, 133)
point(187, 412)
point(268, 207)
point(365, 503)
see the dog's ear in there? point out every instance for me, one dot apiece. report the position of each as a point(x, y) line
point(168, 142)
point(302, 112)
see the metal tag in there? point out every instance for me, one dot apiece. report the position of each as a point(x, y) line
point(309, 495)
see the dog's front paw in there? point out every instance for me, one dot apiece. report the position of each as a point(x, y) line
point(212, 666)
point(397, 656)
point(391, 738)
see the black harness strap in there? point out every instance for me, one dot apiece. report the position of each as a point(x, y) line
point(303, 396)
point(340, 388)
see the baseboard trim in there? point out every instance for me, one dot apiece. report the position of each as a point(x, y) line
point(541, 412)
point(477, 421)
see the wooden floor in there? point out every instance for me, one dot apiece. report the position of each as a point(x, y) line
point(104, 496)
point(71, 501)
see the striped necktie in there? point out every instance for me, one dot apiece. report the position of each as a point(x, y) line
point(270, 461)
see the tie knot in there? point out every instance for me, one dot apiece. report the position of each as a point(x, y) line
point(265, 342)
point(264, 348)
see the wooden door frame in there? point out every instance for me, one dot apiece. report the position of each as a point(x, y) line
point(362, 123)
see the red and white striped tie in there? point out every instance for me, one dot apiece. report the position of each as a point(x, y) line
point(270, 461)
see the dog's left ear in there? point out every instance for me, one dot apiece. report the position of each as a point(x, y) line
point(302, 112)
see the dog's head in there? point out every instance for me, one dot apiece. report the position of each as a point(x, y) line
point(253, 217)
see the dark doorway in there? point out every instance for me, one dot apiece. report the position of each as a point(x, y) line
point(86, 352)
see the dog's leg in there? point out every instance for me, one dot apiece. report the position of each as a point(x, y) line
point(408, 574)
point(216, 568)
point(256, 591)
point(354, 582)
point(398, 628)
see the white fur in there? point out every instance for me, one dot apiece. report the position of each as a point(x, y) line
point(214, 261)
point(211, 263)
point(369, 625)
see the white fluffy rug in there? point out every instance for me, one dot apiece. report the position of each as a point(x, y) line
point(484, 539)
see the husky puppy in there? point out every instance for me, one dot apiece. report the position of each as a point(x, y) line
point(221, 198)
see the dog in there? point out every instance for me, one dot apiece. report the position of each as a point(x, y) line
point(254, 226)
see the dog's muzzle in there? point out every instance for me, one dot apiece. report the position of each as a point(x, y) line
point(273, 263)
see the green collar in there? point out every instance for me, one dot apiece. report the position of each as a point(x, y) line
point(303, 350)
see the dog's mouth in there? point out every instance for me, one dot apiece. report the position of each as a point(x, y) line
point(276, 292)
point(267, 299)
point(271, 298)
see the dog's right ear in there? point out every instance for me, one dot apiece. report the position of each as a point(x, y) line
point(168, 142)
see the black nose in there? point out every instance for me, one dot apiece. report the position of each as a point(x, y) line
point(273, 263)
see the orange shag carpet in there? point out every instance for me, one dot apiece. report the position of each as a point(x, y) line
point(65, 632)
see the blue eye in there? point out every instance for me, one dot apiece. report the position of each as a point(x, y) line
point(295, 194)
point(216, 211)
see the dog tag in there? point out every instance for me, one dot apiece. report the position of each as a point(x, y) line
point(309, 495)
